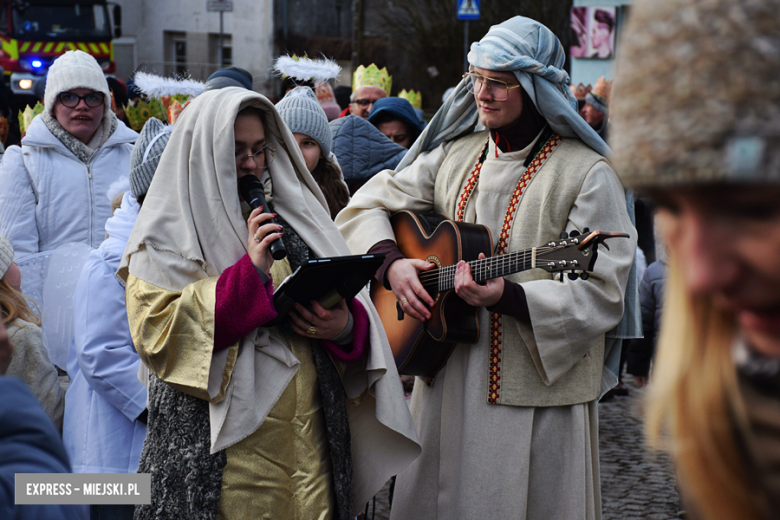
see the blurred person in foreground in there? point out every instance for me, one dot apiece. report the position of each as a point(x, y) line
point(708, 152)
point(29, 444)
point(516, 411)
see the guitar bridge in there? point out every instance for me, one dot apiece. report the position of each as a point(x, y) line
point(400, 311)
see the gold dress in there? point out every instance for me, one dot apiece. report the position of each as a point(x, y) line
point(283, 470)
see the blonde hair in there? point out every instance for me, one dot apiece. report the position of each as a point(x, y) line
point(694, 406)
point(14, 305)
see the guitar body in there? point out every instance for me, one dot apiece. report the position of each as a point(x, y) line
point(422, 348)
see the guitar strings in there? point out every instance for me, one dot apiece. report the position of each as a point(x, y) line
point(480, 265)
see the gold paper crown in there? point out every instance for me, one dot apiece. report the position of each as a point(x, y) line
point(601, 89)
point(26, 117)
point(372, 76)
point(158, 108)
point(414, 97)
point(579, 91)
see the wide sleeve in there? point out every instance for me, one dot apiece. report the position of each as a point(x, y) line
point(103, 345)
point(173, 333)
point(17, 204)
point(568, 317)
point(31, 363)
point(365, 221)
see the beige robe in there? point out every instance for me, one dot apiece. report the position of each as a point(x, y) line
point(491, 461)
point(30, 362)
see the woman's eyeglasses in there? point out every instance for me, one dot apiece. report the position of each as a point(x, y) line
point(498, 90)
point(266, 154)
point(71, 100)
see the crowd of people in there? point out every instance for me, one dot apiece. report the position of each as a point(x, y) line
point(177, 365)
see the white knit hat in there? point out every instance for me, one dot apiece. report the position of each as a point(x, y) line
point(74, 69)
point(6, 255)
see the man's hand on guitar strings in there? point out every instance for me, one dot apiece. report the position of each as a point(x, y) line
point(474, 294)
point(405, 283)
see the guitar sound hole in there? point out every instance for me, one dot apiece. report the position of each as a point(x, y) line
point(431, 289)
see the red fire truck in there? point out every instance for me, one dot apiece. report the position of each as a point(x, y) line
point(33, 33)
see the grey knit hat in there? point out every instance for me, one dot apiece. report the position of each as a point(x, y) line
point(6, 255)
point(697, 93)
point(304, 115)
point(147, 151)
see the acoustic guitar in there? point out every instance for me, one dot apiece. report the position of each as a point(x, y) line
point(422, 348)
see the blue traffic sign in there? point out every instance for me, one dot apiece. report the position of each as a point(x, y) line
point(468, 9)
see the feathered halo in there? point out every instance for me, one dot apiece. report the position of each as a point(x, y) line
point(166, 98)
point(306, 69)
point(157, 86)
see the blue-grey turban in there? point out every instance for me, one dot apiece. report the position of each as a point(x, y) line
point(534, 54)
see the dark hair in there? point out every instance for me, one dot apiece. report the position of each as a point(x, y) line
point(604, 17)
point(328, 178)
point(342, 94)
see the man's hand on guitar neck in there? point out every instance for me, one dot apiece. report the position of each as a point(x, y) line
point(405, 283)
point(474, 294)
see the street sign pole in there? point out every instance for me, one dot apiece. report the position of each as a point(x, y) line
point(466, 46)
point(221, 35)
point(467, 10)
point(221, 6)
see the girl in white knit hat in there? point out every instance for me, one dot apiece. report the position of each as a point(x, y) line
point(29, 360)
point(52, 188)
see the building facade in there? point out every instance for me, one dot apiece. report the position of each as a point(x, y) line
point(170, 37)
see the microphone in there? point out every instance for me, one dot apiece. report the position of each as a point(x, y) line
point(251, 189)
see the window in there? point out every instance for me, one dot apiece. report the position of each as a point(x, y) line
point(180, 57)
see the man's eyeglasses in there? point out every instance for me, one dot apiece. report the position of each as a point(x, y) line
point(266, 154)
point(71, 100)
point(498, 90)
point(364, 102)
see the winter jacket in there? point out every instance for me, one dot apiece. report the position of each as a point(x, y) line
point(30, 361)
point(105, 397)
point(48, 197)
point(362, 150)
point(651, 299)
point(28, 444)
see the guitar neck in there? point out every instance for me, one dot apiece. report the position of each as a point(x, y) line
point(484, 269)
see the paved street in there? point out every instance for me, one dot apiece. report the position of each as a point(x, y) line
point(635, 484)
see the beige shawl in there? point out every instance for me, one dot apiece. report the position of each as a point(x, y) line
point(191, 227)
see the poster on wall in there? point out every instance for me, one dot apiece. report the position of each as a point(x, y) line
point(593, 31)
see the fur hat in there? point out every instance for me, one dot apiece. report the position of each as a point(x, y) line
point(304, 115)
point(147, 151)
point(697, 94)
point(6, 255)
point(75, 69)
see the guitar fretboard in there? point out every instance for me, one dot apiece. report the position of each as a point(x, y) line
point(487, 268)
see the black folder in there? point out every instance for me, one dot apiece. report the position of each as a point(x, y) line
point(325, 280)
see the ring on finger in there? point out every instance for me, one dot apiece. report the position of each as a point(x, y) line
point(403, 300)
point(311, 330)
point(257, 238)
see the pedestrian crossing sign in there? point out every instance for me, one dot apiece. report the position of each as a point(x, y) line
point(468, 9)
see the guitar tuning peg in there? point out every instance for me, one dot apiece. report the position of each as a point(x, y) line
point(574, 233)
point(573, 276)
point(584, 276)
point(586, 230)
point(564, 235)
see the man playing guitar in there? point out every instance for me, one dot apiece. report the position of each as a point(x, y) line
point(509, 426)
